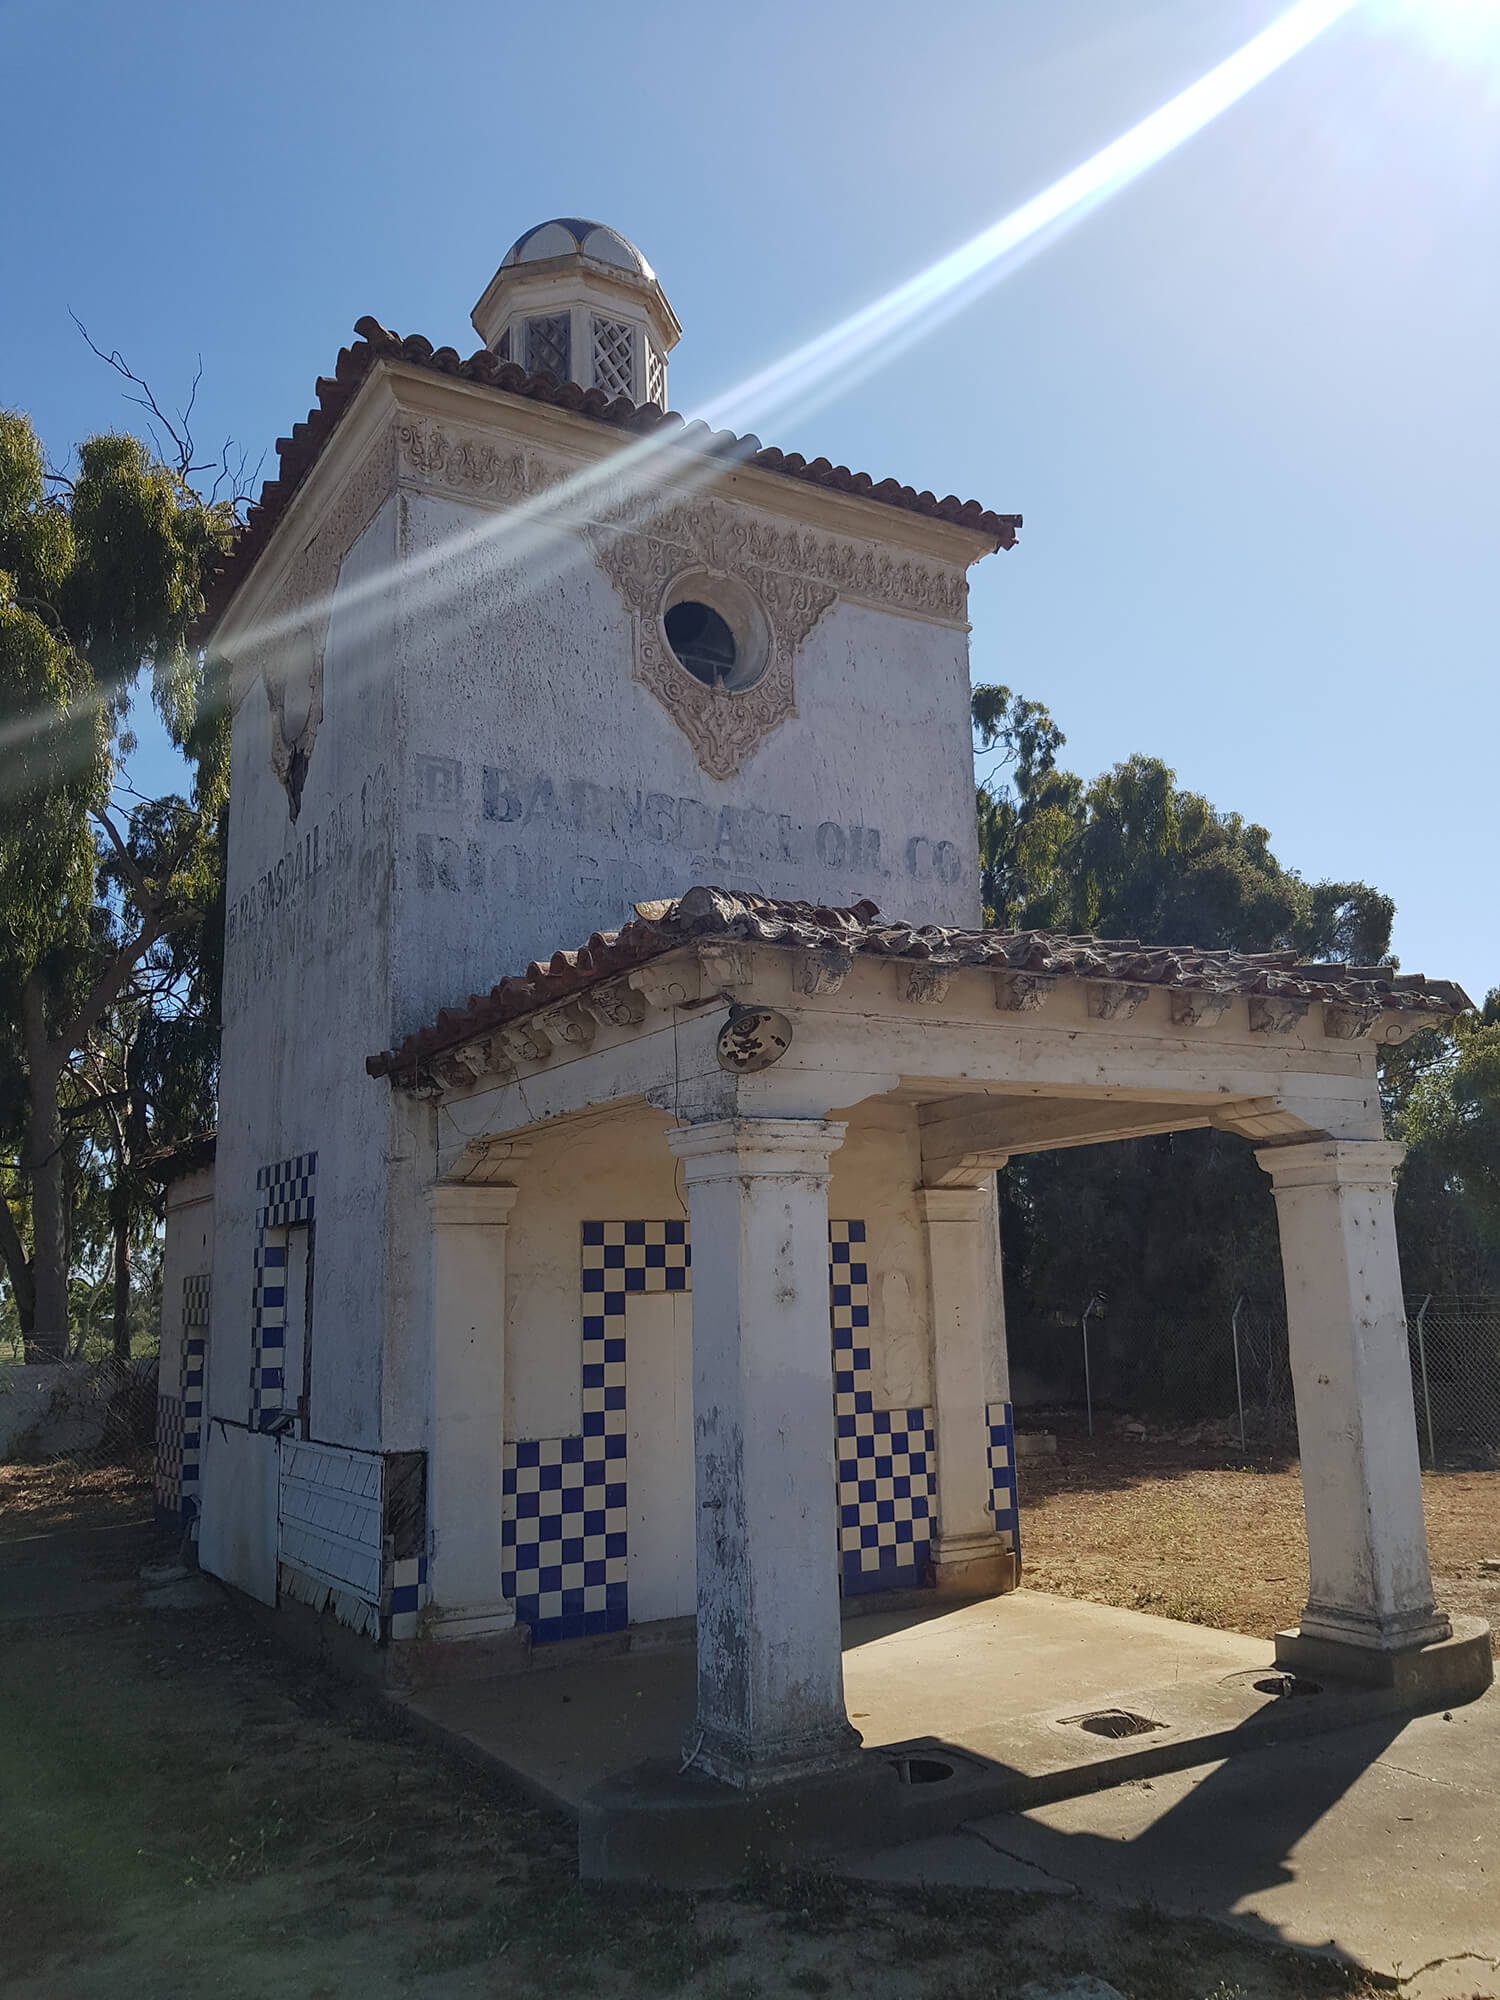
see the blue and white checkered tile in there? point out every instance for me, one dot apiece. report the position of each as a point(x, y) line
point(268, 1333)
point(886, 1459)
point(285, 1191)
point(194, 1358)
point(564, 1534)
point(407, 1593)
point(564, 1513)
point(169, 1430)
point(1003, 1499)
point(197, 1296)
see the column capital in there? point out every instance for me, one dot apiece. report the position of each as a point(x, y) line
point(757, 1148)
point(955, 1204)
point(471, 1204)
point(1331, 1163)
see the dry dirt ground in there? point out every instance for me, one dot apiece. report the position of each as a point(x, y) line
point(187, 1810)
point(1203, 1533)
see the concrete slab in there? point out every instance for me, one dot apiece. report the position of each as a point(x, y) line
point(1380, 1842)
point(954, 1861)
point(1128, 1697)
point(970, 1675)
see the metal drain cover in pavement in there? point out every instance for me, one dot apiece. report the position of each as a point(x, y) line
point(1114, 1722)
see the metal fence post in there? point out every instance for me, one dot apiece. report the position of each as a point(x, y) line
point(1239, 1389)
point(1426, 1392)
point(1088, 1387)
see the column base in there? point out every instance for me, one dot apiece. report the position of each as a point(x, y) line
point(1456, 1667)
point(978, 1565)
point(470, 1621)
point(786, 1760)
point(1390, 1632)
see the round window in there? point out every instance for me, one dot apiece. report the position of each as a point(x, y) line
point(702, 642)
point(716, 631)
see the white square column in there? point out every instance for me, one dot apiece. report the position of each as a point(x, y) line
point(770, 1666)
point(969, 1556)
point(466, 1448)
point(1370, 1583)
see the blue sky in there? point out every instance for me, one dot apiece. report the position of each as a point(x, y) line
point(1248, 409)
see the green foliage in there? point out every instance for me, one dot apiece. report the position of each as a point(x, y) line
point(1449, 1117)
point(109, 907)
point(1172, 1230)
point(1133, 855)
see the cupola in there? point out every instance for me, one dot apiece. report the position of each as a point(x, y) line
point(577, 300)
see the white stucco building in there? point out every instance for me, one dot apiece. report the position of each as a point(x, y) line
point(652, 1271)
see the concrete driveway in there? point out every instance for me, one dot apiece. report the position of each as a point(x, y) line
point(1380, 1842)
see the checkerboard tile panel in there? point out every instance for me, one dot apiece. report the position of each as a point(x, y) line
point(285, 1195)
point(168, 1493)
point(886, 1459)
point(1004, 1504)
point(564, 1525)
point(194, 1368)
point(407, 1594)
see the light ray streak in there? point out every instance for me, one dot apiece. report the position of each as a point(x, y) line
point(659, 469)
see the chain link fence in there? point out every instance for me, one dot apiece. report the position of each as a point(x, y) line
point(1454, 1346)
point(82, 1419)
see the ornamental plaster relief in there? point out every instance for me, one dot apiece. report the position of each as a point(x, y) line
point(290, 634)
point(644, 543)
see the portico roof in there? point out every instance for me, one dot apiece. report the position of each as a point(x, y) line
point(1027, 964)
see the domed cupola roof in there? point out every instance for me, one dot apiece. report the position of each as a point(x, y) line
point(567, 236)
point(578, 301)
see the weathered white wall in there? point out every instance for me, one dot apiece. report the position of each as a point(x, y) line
point(187, 1251)
point(620, 1170)
point(545, 790)
point(306, 998)
point(490, 783)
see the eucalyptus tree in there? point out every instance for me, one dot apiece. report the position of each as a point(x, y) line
point(101, 579)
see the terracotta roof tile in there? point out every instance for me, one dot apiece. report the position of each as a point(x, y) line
point(300, 451)
point(707, 913)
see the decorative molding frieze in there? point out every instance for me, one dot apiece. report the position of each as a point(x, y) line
point(466, 463)
point(1349, 1020)
point(643, 545)
point(924, 985)
point(1273, 1015)
point(1198, 1007)
point(1022, 992)
point(1114, 1002)
point(290, 634)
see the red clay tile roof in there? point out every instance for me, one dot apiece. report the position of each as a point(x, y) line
point(299, 452)
point(714, 913)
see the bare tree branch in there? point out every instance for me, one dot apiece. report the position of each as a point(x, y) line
point(230, 480)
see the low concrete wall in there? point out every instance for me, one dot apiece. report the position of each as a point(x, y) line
point(50, 1407)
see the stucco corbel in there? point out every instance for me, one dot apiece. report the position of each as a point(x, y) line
point(616, 1005)
point(1115, 1001)
point(678, 983)
point(1274, 1014)
point(1022, 992)
point(1199, 1007)
point(571, 1026)
point(1348, 1020)
point(820, 972)
point(924, 985)
point(723, 966)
